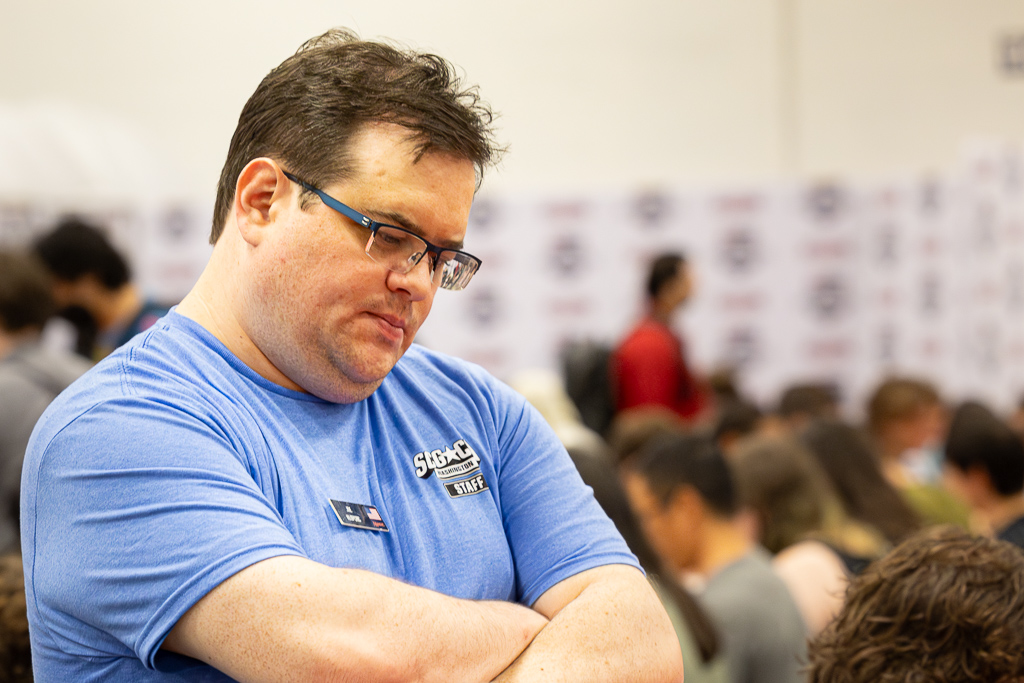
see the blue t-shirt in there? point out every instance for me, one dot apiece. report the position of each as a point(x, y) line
point(172, 466)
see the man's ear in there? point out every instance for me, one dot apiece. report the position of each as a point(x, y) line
point(260, 193)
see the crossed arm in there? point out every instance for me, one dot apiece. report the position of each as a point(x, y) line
point(289, 618)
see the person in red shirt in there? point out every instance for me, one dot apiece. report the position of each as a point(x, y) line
point(649, 367)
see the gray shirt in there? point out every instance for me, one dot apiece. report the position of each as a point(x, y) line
point(764, 636)
point(30, 377)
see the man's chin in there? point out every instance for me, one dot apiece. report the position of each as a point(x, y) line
point(353, 383)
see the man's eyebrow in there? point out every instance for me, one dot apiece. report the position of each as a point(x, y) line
point(402, 221)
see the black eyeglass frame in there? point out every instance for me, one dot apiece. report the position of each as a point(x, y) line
point(372, 225)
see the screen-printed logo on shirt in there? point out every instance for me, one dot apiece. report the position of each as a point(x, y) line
point(457, 467)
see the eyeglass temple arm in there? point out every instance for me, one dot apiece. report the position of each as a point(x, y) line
point(352, 214)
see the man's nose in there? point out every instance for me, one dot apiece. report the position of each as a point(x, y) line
point(418, 282)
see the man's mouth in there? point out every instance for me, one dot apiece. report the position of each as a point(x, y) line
point(392, 327)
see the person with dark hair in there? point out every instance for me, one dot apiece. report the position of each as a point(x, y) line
point(985, 466)
point(845, 455)
point(274, 483)
point(736, 419)
point(92, 285)
point(649, 368)
point(31, 375)
point(683, 493)
point(907, 422)
point(799, 404)
point(942, 606)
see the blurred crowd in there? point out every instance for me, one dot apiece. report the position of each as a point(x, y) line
point(772, 532)
point(65, 303)
point(787, 543)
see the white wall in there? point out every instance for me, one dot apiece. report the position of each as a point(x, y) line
point(595, 93)
point(892, 86)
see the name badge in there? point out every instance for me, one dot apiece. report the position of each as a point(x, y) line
point(358, 516)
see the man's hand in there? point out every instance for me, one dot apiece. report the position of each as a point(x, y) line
point(289, 618)
point(607, 625)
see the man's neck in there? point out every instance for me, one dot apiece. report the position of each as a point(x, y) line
point(211, 304)
point(662, 313)
point(724, 543)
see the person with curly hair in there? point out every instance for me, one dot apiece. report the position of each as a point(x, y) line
point(942, 606)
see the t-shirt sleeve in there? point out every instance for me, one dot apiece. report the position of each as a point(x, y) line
point(140, 509)
point(555, 527)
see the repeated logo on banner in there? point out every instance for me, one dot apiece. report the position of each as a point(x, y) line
point(839, 282)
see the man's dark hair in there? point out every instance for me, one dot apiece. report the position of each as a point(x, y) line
point(737, 418)
point(978, 438)
point(942, 606)
point(307, 110)
point(25, 299)
point(664, 269)
point(673, 461)
point(75, 248)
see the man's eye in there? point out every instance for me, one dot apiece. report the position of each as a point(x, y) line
point(388, 239)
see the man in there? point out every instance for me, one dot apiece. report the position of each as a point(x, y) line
point(683, 492)
point(801, 404)
point(30, 375)
point(942, 606)
point(92, 284)
point(274, 482)
point(907, 420)
point(649, 366)
point(985, 467)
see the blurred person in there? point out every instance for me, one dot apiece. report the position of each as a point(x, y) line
point(737, 419)
point(845, 455)
point(15, 648)
point(816, 546)
point(698, 637)
point(985, 467)
point(684, 495)
point(799, 404)
point(274, 483)
point(1016, 418)
point(31, 376)
point(92, 283)
point(631, 431)
point(942, 606)
point(593, 458)
point(723, 384)
point(908, 422)
point(907, 419)
point(585, 367)
point(649, 367)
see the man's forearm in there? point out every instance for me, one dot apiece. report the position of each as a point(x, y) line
point(606, 626)
point(289, 618)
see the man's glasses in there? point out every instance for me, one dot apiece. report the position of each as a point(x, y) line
point(399, 250)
